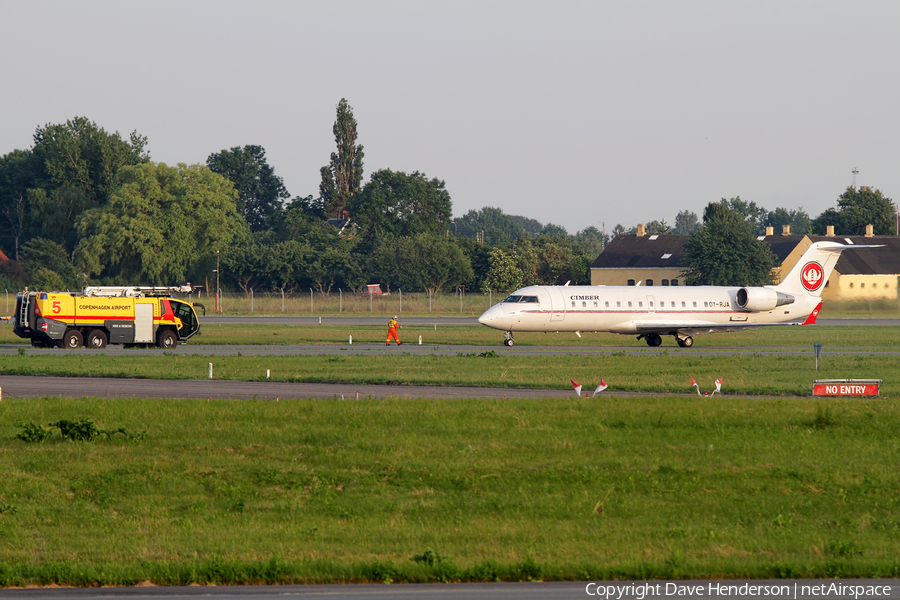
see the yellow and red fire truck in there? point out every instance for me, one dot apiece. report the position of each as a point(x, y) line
point(106, 314)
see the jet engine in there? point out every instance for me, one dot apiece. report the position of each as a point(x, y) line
point(758, 299)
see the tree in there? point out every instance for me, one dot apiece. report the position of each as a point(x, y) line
point(856, 209)
point(686, 223)
point(504, 274)
point(426, 261)
point(261, 193)
point(394, 203)
point(75, 169)
point(753, 214)
point(724, 251)
point(342, 176)
point(49, 267)
point(658, 228)
point(498, 228)
point(161, 225)
point(17, 173)
point(798, 220)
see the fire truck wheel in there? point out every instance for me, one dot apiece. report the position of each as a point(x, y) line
point(96, 339)
point(72, 340)
point(167, 339)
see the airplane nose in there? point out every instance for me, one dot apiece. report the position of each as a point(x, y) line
point(489, 315)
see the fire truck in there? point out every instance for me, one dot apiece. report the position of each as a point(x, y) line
point(131, 315)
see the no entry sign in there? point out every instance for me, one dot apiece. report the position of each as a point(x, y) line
point(846, 387)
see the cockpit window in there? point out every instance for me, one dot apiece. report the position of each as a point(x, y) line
point(514, 299)
point(530, 299)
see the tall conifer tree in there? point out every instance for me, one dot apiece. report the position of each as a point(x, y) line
point(342, 176)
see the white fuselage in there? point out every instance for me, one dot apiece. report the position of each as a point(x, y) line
point(632, 309)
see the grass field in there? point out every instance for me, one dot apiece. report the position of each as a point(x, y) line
point(662, 373)
point(419, 490)
point(312, 491)
point(832, 337)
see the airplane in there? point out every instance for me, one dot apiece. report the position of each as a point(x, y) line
point(682, 312)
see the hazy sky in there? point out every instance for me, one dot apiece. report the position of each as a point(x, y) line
point(573, 113)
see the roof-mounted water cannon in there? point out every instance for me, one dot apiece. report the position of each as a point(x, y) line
point(137, 291)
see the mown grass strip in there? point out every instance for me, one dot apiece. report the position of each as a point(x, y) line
point(312, 491)
point(832, 337)
point(663, 373)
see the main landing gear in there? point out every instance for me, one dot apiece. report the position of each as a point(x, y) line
point(654, 340)
point(685, 342)
point(509, 339)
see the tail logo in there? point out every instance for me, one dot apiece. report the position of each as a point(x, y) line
point(812, 276)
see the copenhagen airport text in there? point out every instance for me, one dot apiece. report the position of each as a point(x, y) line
point(715, 589)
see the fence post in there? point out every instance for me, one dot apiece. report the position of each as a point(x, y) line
point(282, 299)
point(310, 301)
point(341, 300)
point(251, 300)
point(401, 299)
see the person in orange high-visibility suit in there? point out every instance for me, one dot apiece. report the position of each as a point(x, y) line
point(392, 331)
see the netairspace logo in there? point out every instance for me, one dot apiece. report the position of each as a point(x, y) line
point(718, 589)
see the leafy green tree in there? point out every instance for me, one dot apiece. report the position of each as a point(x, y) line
point(81, 155)
point(77, 163)
point(394, 203)
point(286, 265)
point(798, 220)
point(504, 274)
point(426, 261)
point(17, 174)
point(725, 251)
point(856, 209)
point(49, 266)
point(753, 214)
point(261, 193)
point(658, 228)
point(686, 223)
point(342, 176)
point(334, 263)
point(162, 225)
point(243, 261)
point(590, 242)
point(554, 230)
point(498, 227)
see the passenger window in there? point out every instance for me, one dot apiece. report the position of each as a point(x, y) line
point(651, 305)
point(618, 304)
point(683, 304)
point(695, 305)
point(607, 304)
point(595, 304)
point(573, 304)
point(584, 304)
point(706, 305)
point(629, 304)
point(640, 305)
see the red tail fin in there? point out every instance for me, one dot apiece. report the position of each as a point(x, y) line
point(811, 319)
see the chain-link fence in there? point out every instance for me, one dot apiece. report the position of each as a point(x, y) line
point(315, 303)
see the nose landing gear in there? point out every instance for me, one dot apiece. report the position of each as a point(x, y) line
point(509, 339)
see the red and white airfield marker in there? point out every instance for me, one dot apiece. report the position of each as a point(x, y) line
point(602, 386)
point(577, 387)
